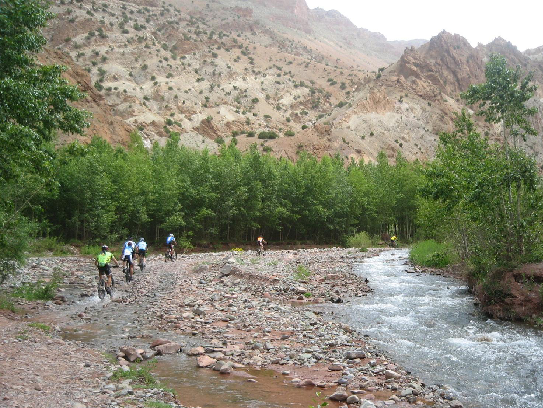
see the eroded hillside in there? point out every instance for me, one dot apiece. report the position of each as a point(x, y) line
point(211, 71)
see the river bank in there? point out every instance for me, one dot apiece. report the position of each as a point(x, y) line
point(228, 310)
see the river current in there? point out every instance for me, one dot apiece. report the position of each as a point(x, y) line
point(431, 325)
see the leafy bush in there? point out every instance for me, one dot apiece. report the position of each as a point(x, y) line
point(39, 290)
point(361, 240)
point(6, 303)
point(267, 135)
point(48, 245)
point(431, 253)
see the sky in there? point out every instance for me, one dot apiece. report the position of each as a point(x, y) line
point(479, 21)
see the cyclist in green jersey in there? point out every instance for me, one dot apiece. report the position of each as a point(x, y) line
point(102, 262)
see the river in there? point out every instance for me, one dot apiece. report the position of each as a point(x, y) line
point(431, 325)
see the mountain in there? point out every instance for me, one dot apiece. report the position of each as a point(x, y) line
point(213, 70)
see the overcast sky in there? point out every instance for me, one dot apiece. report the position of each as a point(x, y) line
point(479, 21)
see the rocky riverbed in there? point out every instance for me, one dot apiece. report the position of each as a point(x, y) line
point(229, 311)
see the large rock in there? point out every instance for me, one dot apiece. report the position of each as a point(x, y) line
point(168, 348)
point(205, 361)
point(130, 354)
point(339, 395)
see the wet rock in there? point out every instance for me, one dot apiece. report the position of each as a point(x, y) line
point(456, 404)
point(130, 354)
point(205, 361)
point(339, 395)
point(159, 342)
point(352, 399)
point(168, 348)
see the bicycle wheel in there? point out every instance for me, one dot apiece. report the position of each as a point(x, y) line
point(111, 289)
point(142, 265)
point(102, 289)
point(126, 270)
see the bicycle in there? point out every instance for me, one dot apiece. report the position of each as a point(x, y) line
point(103, 287)
point(141, 264)
point(170, 254)
point(260, 250)
point(126, 270)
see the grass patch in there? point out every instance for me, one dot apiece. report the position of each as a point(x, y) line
point(41, 326)
point(431, 253)
point(301, 273)
point(141, 376)
point(52, 246)
point(39, 290)
point(90, 250)
point(361, 241)
point(6, 303)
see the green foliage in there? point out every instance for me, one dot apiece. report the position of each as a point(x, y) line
point(431, 253)
point(267, 135)
point(502, 98)
point(38, 290)
point(361, 241)
point(90, 249)
point(141, 375)
point(51, 245)
point(301, 273)
point(41, 326)
point(6, 303)
point(33, 106)
point(483, 198)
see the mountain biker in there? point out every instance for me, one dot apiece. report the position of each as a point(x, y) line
point(393, 241)
point(102, 262)
point(170, 243)
point(142, 249)
point(260, 241)
point(128, 254)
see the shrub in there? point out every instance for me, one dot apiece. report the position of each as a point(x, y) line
point(48, 245)
point(431, 253)
point(38, 290)
point(267, 135)
point(289, 133)
point(361, 241)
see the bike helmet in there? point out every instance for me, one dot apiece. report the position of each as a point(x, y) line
point(104, 247)
point(141, 239)
point(171, 235)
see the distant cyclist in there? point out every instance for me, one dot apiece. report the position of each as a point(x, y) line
point(142, 249)
point(260, 241)
point(170, 243)
point(102, 262)
point(393, 240)
point(128, 254)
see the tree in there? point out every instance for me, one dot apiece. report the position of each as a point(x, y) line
point(468, 183)
point(33, 105)
point(502, 99)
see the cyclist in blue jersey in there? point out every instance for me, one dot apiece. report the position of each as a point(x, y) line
point(141, 249)
point(170, 243)
point(128, 254)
